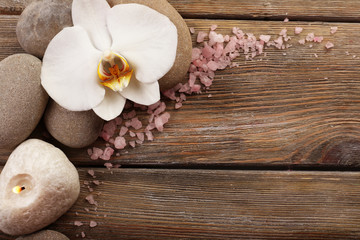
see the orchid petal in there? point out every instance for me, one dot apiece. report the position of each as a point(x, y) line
point(91, 15)
point(69, 70)
point(145, 37)
point(142, 93)
point(111, 106)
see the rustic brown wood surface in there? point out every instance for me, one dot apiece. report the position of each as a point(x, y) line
point(292, 108)
point(216, 204)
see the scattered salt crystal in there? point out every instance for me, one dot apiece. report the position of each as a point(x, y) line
point(136, 123)
point(78, 223)
point(298, 30)
point(108, 165)
point(120, 143)
point(108, 152)
point(213, 27)
point(178, 105)
point(123, 131)
point(329, 45)
point(132, 134)
point(149, 135)
point(86, 209)
point(333, 30)
point(132, 144)
point(139, 142)
point(265, 38)
point(92, 224)
point(91, 173)
point(316, 55)
point(283, 32)
point(129, 115)
point(140, 136)
point(192, 30)
point(318, 39)
point(91, 200)
point(310, 37)
point(89, 151)
point(118, 120)
point(96, 182)
point(83, 235)
point(201, 36)
point(161, 120)
point(160, 109)
point(286, 20)
point(302, 41)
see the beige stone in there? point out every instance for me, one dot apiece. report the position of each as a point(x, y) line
point(50, 184)
point(40, 22)
point(22, 98)
point(73, 129)
point(44, 235)
point(183, 56)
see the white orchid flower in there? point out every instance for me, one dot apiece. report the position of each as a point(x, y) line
point(108, 56)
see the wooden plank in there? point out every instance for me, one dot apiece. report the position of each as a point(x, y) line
point(331, 10)
point(283, 110)
point(204, 204)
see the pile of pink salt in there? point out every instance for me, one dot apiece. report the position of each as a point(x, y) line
point(214, 51)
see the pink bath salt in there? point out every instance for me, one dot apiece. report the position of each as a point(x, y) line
point(302, 41)
point(178, 105)
point(279, 43)
point(151, 118)
point(120, 143)
point(170, 93)
point(149, 135)
point(318, 39)
point(96, 182)
point(161, 120)
point(118, 120)
point(265, 38)
point(154, 106)
point(96, 153)
point(199, 63)
point(78, 223)
point(329, 45)
point(298, 30)
point(195, 54)
point(213, 27)
point(108, 152)
point(201, 36)
point(207, 52)
point(192, 30)
point(333, 30)
point(286, 20)
point(132, 144)
point(140, 136)
point(104, 135)
point(83, 235)
point(213, 66)
point(219, 50)
point(91, 200)
point(108, 165)
point(160, 109)
point(192, 79)
point(91, 173)
point(139, 142)
point(129, 115)
point(185, 88)
point(123, 131)
point(230, 47)
point(315, 55)
point(238, 32)
point(136, 123)
point(182, 97)
point(204, 68)
point(92, 224)
point(283, 32)
point(142, 107)
point(192, 68)
point(150, 127)
point(206, 80)
point(310, 37)
point(215, 38)
point(110, 127)
point(89, 151)
point(196, 88)
point(132, 134)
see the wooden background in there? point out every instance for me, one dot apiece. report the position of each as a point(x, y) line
point(273, 154)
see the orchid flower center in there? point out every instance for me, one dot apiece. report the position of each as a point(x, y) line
point(114, 71)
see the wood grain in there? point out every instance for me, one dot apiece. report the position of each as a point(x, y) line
point(292, 109)
point(330, 10)
point(198, 204)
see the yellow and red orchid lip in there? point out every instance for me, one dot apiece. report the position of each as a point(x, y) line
point(114, 71)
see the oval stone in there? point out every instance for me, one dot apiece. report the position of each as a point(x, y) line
point(44, 235)
point(73, 129)
point(40, 22)
point(22, 98)
point(183, 55)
